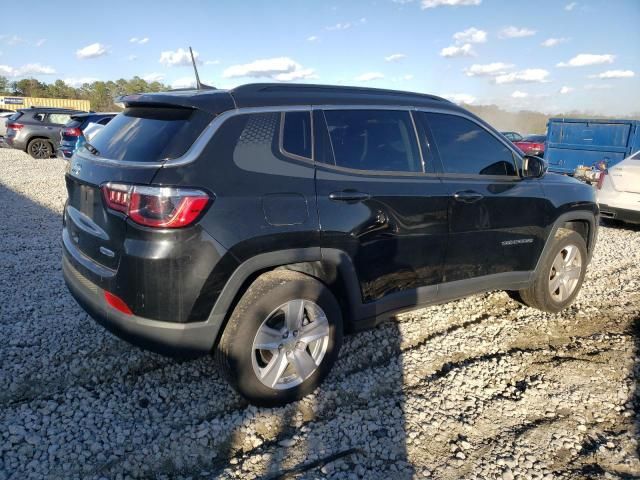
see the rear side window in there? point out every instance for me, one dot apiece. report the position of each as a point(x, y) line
point(296, 134)
point(378, 140)
point(59, 118)
point(150, 134)
point(467, 148)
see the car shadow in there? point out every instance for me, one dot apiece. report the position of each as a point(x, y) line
point(139, 414)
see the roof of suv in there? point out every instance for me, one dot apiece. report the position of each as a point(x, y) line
point(279, 94)
point(49, 109)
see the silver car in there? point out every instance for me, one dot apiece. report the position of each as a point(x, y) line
point(619, 190)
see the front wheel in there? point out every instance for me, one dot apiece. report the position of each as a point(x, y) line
point(282, 338)
point(39, 148)
point(560, 274)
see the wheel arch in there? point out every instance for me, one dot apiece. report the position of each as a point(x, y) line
point(331, 267)
point(38, 137)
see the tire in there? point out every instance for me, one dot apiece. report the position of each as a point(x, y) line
point(557, 269)
point(292, 363)
point(40, 148)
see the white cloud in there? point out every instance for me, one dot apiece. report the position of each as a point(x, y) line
point(282, 69)
point(178, 58)
point(369, 76)
point(515, 32)
point(487, 69)
point(24, 70)
point(92, 51)
point(465, 50)
point(586, 59)
point(519, 94)
point(460, 97)
point(184, 82)
point(615, 74)
point(339, 26)
point(564, 90)
point(77, 82)
point(529, 75)
point(140, 41)
point(470, 35)
point(552, 42)
point(448, 3)
point(153, 77)
point(212, 62)
point(570, 6)
point(40, 42)
point(12, 40)
point(312, 38)
point(131, 58)
point(395, 57)
point(407, 77)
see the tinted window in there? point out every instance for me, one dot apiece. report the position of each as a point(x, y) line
point(382, 140)
point(636, 156)
point(296, 134)
point(105, 120)
point(465, 147)
point(74, 123)
point(150, 134)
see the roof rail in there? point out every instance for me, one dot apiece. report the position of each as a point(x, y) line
point(314, 88)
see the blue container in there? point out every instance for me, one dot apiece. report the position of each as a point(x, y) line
point(572, 142)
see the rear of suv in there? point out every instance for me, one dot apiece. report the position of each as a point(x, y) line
point(37, 130)
point(259, 224)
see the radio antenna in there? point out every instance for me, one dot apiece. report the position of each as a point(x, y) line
point(195, 69)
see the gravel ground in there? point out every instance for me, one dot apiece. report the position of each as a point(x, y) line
point(478, 388)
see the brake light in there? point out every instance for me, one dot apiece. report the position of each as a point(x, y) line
point(15, 126)
point(117, 303)
point(603, 173)
point(72, 132)
point(161, 207)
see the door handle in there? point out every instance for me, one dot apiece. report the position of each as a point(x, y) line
point(349, 196)
point(468, 196)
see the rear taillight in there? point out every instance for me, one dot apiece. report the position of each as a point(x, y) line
point(15, 126)
point(117, 303)
point(603, 173)
point(72, 132)
point(161, 207)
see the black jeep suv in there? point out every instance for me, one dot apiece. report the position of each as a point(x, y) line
point(260, 223)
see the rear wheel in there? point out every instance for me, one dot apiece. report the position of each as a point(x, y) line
point(40, 148)
point(282, 338)
point(560, 275)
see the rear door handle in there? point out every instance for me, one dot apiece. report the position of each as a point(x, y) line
point(349, 196)
point(468, 196)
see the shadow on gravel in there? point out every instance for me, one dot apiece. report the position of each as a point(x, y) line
point(177, 419)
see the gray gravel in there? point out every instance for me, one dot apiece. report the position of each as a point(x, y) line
point(478, 388)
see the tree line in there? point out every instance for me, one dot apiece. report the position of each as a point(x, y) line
point(100, 94)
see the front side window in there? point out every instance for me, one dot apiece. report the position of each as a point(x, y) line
point(296, 134)
point(467, 148)
point(378, 140)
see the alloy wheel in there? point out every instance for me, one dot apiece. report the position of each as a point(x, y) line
point(290, 344)
point(565, 273)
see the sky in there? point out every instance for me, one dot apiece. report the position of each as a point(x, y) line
point(548, 55)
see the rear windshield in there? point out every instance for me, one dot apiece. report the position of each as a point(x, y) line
point(150, 134)
point(15, 116)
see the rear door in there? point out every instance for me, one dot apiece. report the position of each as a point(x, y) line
point(496, 219)
point(378, 202)
point(128, 150)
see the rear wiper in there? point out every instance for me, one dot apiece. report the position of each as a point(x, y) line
point(91, 148)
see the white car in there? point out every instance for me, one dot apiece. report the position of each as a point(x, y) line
point(619, 190)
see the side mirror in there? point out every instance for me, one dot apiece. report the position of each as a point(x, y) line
point(533, 167)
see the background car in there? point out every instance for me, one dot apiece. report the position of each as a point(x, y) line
point(532, 144)
point(513, 136)
point(4, 115)
point(619, 190)
point(72, 136)
point(37, 130)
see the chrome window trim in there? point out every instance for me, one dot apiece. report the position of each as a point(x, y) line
point(285, 152)
point(197, 147)
point(415, 133)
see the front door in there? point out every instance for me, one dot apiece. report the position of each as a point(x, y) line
point(379, 202)
point(496, 218)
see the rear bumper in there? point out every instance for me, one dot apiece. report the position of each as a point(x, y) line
point(614, 213)
point(167, 338)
